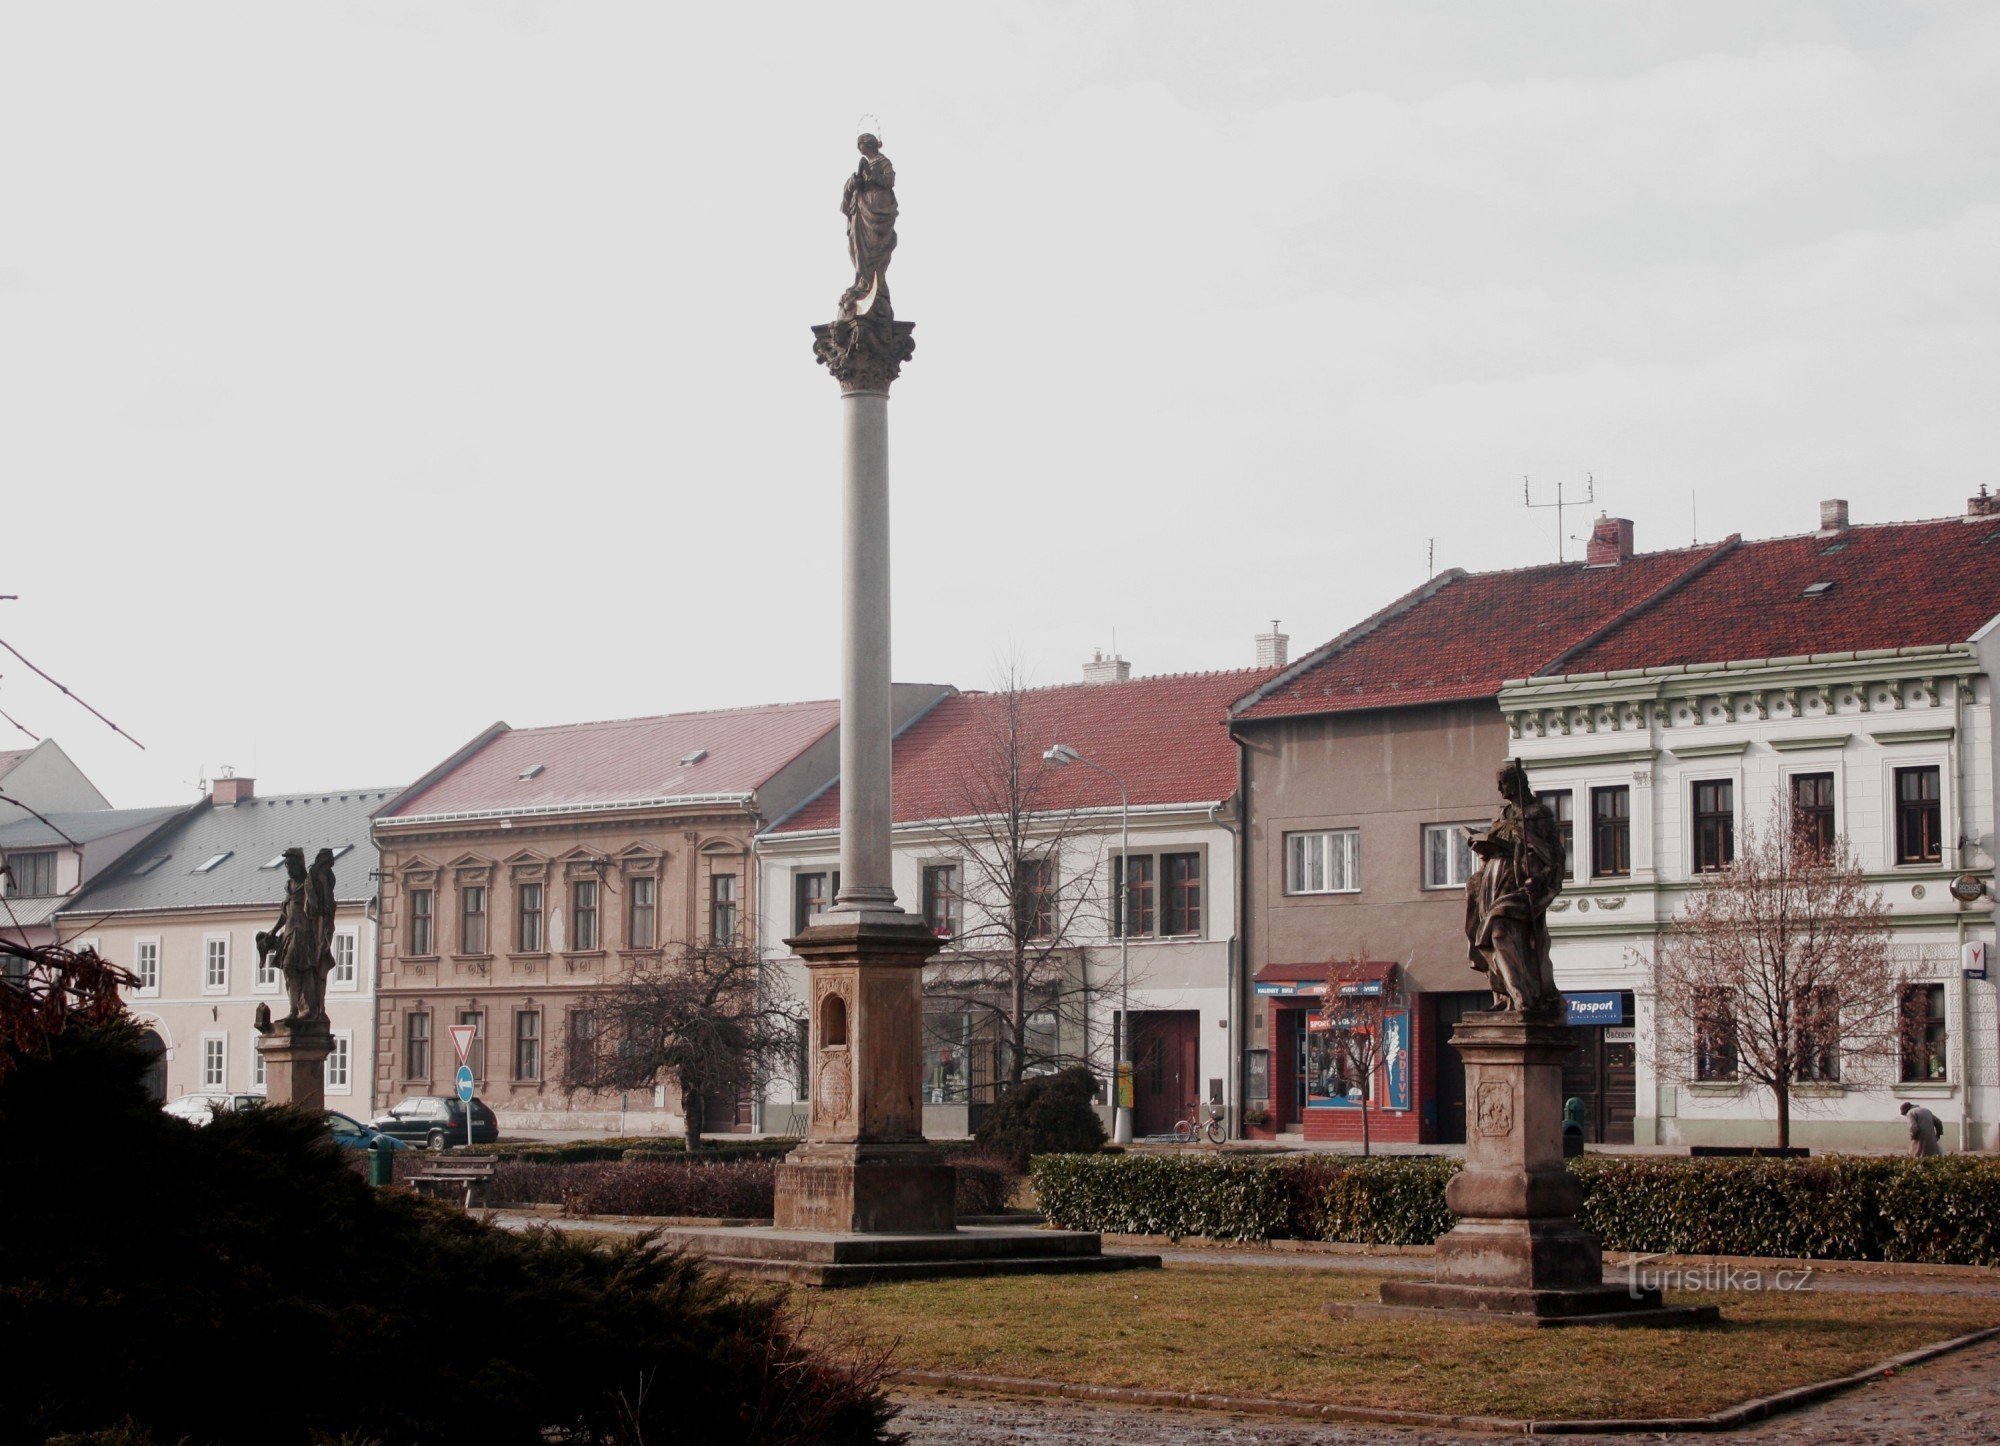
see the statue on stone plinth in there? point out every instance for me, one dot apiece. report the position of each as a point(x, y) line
point(1519, 874)
point(302, 939)
point(864, 346)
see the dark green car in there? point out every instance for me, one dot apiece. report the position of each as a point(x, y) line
point(438, 1121)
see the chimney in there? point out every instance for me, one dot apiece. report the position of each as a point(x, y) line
point(1273, 648)
point(1833, 515)
point(1610, 542)
point(1984, 505)
point(230, 789)
point(1101, 669)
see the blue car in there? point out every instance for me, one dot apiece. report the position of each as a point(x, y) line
point(353, 1135)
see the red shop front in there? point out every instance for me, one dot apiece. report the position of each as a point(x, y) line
point(1306, 1091)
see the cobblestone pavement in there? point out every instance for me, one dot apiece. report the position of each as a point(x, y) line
point(1954, 1401)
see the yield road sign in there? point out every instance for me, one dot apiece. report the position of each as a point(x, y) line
point(465, 1082)
point(461, 1040)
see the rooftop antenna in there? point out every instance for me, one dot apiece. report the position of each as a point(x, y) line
point(1430, 561)
point(1694, 522)
point(1589, 496)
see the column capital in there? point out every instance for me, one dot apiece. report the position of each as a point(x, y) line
point(864, 354)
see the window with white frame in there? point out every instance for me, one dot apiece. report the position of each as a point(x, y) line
point(345, 973)
point(214, 1061)
point(1447, 856)
point(215, 964)
point(340, 1064)
point(258, 1078)
point(1328, 862)
point(146, 965)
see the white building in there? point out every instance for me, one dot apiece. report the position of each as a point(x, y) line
point(1844, 676)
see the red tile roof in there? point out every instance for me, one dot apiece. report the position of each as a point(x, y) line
point(1895, 585)
point(1164, 736)
point(1461, 635)
point(628, 760)
point(9, 759)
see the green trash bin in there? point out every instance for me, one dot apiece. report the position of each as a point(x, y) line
point(381, 1164)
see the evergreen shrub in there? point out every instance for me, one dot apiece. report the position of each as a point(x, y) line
point(1049, 1114)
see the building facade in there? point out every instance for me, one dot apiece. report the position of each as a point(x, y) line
point(535, 866)
point(182, 909)
point(51, 858)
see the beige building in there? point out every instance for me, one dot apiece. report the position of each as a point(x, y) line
point(536, 865)
point(181, 910)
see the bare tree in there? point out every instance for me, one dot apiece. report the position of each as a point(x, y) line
point(1026, 896)
point(1777, 971)
point(704, 1017)
point(1353, 1022)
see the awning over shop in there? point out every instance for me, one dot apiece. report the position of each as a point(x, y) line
point(1372, 976)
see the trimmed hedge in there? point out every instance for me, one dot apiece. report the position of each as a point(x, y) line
point(628, 1147)
point(699, 1187)
point(1938, 1211)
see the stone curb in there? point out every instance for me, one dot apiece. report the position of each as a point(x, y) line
point(1735, 1416)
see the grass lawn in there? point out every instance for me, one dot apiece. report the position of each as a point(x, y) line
point(1262, 1333)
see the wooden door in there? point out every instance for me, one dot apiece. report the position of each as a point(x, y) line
point(1166, 1068)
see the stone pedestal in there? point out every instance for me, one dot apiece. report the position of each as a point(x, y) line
point(1517, 1254)
point(295, 1064)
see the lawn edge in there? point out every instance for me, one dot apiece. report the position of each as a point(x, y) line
point(1728, 1419)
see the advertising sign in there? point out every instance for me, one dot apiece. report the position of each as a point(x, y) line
point(1605, 1007)
point(1974, 958)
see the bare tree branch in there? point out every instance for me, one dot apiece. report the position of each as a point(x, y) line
point(63, 688)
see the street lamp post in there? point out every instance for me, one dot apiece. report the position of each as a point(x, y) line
point(1058, 756)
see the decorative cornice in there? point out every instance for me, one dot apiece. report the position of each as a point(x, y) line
point(1711, 750)
point(1817, 740)
point(865, 354)
point(1889, 736)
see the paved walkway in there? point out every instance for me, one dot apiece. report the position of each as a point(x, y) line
point(1954, 1401)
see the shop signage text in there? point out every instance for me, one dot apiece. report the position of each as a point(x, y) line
point(1607, 1007)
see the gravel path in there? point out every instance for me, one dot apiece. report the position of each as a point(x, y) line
point(1954, 1401)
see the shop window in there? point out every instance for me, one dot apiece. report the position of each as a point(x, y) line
point(1714, 1036)
point(1923, 1021)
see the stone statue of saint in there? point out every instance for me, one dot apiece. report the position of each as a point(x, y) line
point(1519, 874)
point(302, 939)
point(869, 203)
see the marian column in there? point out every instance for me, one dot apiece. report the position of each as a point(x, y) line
point(865, 1165)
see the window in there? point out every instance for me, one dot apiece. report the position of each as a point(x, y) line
point(1035, 898)
point(214, 1062)
point(1610, 832)
point(1923, 1033)
point(267, 970)
point(724, 908)
point(1919, 816)
point(528, 1044)
point(1323, 863)
point(1183, 876)
point(259, 1078)
point(528, 919)
point(345, 971)
point(1714, 825)
point(339, 1064)
point(940, 895)
point(583, 1034)
point(213, 862)
point(471, 920)
point(641, 912)
point(1447, 856)
point(420, 921)
point(215, 964)
point(475, 1053)
point(1817, 1018)
point(1714, 1036)
point(583, 914)
point(146, 965)
point(811, 894)
point(34, 873)
point(417, 1045)
point(1812, 810)
point(1139, 896)
point(1559, 802)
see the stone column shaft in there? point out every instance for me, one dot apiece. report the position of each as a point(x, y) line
point(865, 729)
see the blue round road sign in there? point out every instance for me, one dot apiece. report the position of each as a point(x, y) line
point(465, 1082)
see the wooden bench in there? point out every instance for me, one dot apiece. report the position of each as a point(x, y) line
point(446, 1175)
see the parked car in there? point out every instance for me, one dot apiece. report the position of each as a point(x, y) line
point(437, 1121)
point(351, 1134)
point(199, 1109)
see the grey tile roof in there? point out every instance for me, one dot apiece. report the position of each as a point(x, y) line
point(24, 831)
point(162, 873)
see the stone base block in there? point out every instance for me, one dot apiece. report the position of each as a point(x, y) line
point(1536, 1255)
point(295, 1065)
point(846, 1188)
point(1602, 1305)
point(832, 1259)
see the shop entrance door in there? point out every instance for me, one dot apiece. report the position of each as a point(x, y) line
point(1166, 1072)
point(1450, 1081)
point(1602, 1071)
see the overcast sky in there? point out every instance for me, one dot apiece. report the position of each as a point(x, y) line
point(372, 371)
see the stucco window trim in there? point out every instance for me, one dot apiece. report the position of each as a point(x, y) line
point(1713, 1089)
point(1923, 1089)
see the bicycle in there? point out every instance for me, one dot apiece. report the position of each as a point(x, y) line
point(1190, 1130)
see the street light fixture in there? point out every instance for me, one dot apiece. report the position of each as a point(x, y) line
point(1061, 755)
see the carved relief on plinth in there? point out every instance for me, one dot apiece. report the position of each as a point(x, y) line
point(1496, 1108)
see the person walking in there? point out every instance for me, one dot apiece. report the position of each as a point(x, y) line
point(1924, 1130)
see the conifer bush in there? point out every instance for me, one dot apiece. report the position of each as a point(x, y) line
point(1049, 1114)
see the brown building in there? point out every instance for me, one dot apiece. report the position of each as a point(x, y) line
point(1360, 763)
point(536, 864)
